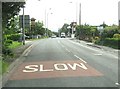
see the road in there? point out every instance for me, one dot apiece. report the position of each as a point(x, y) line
point(61, 62)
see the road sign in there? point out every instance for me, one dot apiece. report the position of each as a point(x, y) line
point(26, 21)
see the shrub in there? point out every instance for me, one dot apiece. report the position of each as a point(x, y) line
point(112, 42)
point(14, 37)
point(116, 36)
point(8, 42)
point(6, 51)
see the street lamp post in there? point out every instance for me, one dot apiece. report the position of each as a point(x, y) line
point(23, 27)
point(46, 21)
point(80, 14)
point(74, 28)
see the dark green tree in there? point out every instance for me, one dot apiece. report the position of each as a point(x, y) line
point(9, 10)
point(64, 28)
point(39, 30)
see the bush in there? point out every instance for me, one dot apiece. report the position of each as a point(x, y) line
point(116, 36)
point(112, 42)
point(8, 42)
point(14, 37)
point(6, 51)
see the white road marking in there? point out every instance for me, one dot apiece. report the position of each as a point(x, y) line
point(84, 46)
point(117, 83)
point(98, 54)
point(80, 59)
point(99, 51)
point(58, 41)
point(56, 66)
point(27, 52)
point(67, 50)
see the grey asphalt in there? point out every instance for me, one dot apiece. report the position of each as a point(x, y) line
point(61, 49)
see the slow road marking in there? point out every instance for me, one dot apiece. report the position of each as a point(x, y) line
point(53, 69)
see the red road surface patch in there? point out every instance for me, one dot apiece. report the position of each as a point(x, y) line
point(20, 75)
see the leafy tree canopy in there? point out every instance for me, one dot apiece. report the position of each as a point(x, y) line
point(9, 10)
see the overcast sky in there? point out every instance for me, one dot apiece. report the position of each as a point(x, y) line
point(93, 12)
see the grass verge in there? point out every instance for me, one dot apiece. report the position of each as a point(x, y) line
point(3, 67)
point(15, 44)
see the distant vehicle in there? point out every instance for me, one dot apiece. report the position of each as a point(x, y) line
point(62, 35)
point(53, 36)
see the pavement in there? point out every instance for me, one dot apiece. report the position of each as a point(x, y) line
point(105, 48)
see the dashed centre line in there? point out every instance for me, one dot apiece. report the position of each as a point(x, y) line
point(80, 59)
point(67, 50)
point(70, 51)
point(98, 54)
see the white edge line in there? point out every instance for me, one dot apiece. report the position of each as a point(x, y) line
point(27, 50)
point(80, 59)
point(27, 53)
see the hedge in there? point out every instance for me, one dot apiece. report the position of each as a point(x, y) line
point(14, 37)
point(112, 42)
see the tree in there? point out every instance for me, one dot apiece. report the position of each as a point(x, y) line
point(13, 26)
point(109, 31)
point(64, 28)
point(84, 32)
point(9, 10)
point(39, 28)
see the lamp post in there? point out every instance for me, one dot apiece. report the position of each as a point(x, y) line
point(73, 27)
point(79, 13)
point(23, 27)
point(46, 21)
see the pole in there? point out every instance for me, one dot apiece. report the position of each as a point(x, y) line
point(76, 13)
point(80, 14)
point(45, 23)
point(23, 28)
point(1, 32)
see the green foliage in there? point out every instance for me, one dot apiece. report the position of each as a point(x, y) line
point(14, 37)
point(64, 28)
point(56, 33)
point(9, 10)
point(86, 32)
point(38, 29)
point(4, 66)
point(6, 51)
point(49, 33)
point(116, 36)
point(8, 42)
point(109, 31)
point(14, 45)
point(112, 42)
